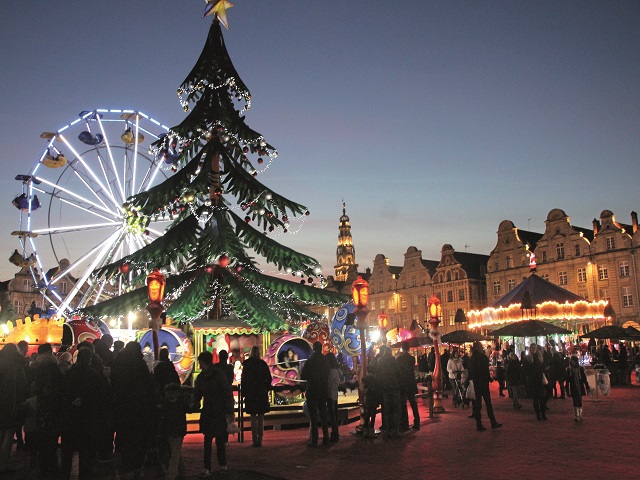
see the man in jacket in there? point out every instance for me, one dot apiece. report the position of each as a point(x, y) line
point(479, 373)
point(315, 373)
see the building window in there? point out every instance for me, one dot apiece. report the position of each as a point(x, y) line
point(372, 304)
point(582, 275)
point(403, 303)
point(414, 300)
point(544, 276)
point(495, 267)
point(577, 250)
point(603, 272)
point(624, 268)
point(450, 296)
point(604, 294)
point(381, 287)
point(452, 319)
point(461, 295)
point(559, 251)
point(562, 278)
point(511, 284)
point(496, 287)
point(509, 261)
point(413, 281)
point(611, 243)
point(627, 298)
point(544, 255)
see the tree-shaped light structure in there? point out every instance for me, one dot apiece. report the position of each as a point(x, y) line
point(221, 215)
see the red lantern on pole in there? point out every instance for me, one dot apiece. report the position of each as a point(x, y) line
point(360, 295)
point(360, 292)
point(435, 310)
point(156, 282)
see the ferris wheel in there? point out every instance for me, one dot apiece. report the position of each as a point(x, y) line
point(73, 216)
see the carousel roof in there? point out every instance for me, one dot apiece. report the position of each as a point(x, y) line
point(540, 291)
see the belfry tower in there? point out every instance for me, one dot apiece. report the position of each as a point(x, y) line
point(345, 253)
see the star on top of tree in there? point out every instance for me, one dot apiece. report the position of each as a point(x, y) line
point(219, 9)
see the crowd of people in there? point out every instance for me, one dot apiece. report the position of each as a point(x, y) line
point(107, 405)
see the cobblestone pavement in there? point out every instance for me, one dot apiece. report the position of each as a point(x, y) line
point(602, 446)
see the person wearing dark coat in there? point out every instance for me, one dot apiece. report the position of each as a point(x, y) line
point(164, 372)
point(134, 406)
point(315, 373)
point(577, 386)
point(13, 391)
point(408, 389)
point(213, 389)
point(534, 370)
point(80, 396)
point(174, 409)
point(255, 386)
point(223, 364)
point(479, 374)
point(48, 383)
point(389, 378)
point(514, 378)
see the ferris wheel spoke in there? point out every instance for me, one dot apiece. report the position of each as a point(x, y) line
point(150, 175)
point(86, 184)
point(75, 228)
point(93, 175)
point(71, 194)
point(119, 183)
point(102, 253)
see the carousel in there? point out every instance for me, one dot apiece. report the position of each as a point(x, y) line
point(535, 302)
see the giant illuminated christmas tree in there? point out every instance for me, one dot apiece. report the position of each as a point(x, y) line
point(221, 214)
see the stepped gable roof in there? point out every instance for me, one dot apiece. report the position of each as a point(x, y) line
point(431, 266)
point(472, 263)
point(540, 290)
point(530, 238)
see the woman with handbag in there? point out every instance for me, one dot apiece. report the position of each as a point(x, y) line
point(577, 386)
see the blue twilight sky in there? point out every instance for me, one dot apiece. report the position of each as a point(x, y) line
point(434, 121)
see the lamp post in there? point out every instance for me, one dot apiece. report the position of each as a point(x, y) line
point(156, 282)
point(360, 295)
point(435, 309)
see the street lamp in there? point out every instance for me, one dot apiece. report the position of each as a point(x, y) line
point(156, 282)
point(435, 310)
point(383, 321)
point(360, 295)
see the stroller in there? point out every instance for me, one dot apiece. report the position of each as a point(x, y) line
point(459, 385)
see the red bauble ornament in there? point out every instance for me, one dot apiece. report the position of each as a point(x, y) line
point(124, 268)
point(260, 160)
point(223, 260)
point(285, 218)
point(245, 150)
point(238, 269)
point(218, 191)
point(307, 213)
point(247, 219)
point(208, 269)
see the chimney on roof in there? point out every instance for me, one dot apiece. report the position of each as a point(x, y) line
point(596, 226)
point(634, 221)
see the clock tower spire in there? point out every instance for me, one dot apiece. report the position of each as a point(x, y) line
point(345, 253)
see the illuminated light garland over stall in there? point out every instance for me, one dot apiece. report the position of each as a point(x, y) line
point(580, 312)
point(539, 299)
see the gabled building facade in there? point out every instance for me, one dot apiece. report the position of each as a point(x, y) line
point(597, 264)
